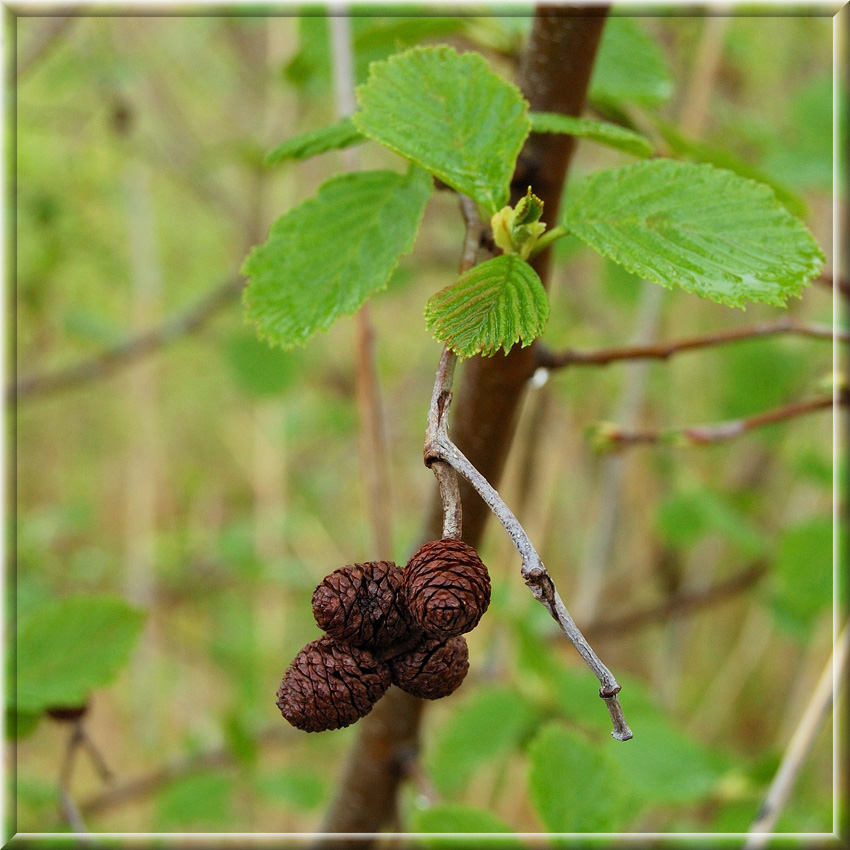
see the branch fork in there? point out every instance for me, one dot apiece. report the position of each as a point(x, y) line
point(444, 458)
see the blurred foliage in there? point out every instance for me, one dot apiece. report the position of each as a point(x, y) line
point(233, 468)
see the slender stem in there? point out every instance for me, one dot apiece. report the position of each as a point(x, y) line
point(374, 461)
point(550, 236)
point(439, 447)
point(611, 437)
point(441, 399)
point(800, 744)
point(548, 359)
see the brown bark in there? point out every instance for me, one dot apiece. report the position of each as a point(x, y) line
point(554, 75)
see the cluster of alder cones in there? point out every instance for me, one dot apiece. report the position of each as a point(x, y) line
point(384, 625)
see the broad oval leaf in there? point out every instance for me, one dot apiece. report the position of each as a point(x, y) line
point(603, 132)
point(574, 785)
point(492, 306)
point(485, 727)
point(450, 114)
point(630, 67)
point(695, 226)
point(69, 647)
point(342, 134)
point(325, 257)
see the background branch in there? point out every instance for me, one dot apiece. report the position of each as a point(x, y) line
point(615, 438)
point(548, 359)
point(680, 605)
point(800, 744)
point(113, 359)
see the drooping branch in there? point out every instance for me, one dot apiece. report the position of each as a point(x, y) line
point(440, 449)
point(113, 359)
point(609, 436)
point(548, 359)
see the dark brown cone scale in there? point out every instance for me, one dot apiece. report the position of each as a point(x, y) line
point(329, 686)
point(446, 588)
point(434, 669)
point(360, 605)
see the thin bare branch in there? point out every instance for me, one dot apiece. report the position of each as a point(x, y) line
point(610, 437)
point(680, 605)
point(445, 474)
point(439, 448)
point(113, 359)
point(548, 359)
point(374, 460)
point(146, 785)
point(800, 744)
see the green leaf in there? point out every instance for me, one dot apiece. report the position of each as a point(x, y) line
point(698, 227)
point(802, 580)
point(603, 132)
point(574, 785)
point(325, 257)
point(484, 727)
point(459, 819)
point(69, 647)
point(450, 114)
point(663, 764)
point(492, 306)
point(684, 518)
point(343, 134)
point(298, 789)
point(630, 67)
point(701, 152)
point(258, 369)
point(196, 803)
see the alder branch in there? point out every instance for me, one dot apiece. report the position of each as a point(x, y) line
point(680, 605)
point(439, 448)
point(113, 359)
point(800, 744)
point(444, 473)
point(548, 359)
point(609, 437)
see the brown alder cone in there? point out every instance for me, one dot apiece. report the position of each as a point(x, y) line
point(329, 685)
point(446, 588)
point(360, 605)
point(434, 669)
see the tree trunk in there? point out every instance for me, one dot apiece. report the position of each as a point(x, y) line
point(554, 75)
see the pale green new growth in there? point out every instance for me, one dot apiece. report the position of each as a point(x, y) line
point(342, 134)
point(69, 647)
point(492, 306)
point(450, 114)
point(602, 132)
point(695, 226)
point(325, 257)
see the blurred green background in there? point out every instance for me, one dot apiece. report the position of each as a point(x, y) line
point(214, 483)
